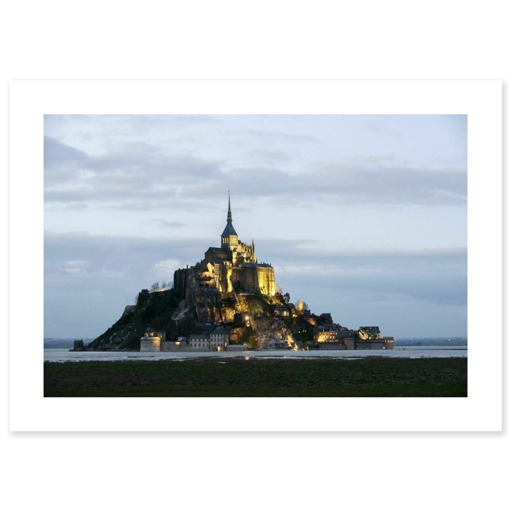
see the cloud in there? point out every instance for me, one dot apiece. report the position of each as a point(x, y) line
point(89, 279)
point(57, 154)
point(130, 172)
point(266, 156)
point(169, 224)
point(134, 175)
point(166, 268)
point(62, 162)
point(364, 185)
point(435, 276)
point(271, 136)
point(385, 184)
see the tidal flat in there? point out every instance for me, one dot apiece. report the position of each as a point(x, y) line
point(254, 377)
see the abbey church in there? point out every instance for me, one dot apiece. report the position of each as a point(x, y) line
point(225, 272)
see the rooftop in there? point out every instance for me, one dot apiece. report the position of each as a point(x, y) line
point(229, 230)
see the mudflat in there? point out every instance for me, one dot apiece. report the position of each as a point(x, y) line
point(258, 377)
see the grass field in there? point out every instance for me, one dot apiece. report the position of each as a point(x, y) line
point(237, 377)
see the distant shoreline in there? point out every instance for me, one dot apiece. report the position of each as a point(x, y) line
point(399, 342)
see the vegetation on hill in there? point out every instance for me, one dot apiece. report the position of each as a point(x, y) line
point(153, 310)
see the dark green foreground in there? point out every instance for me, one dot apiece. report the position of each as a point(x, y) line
point(369, 377)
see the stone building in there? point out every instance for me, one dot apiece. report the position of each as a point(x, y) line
point(151, 341)
point(369, 338)
point(219, 338)
point(199, 342)
point(230, 269)
point(327, 334)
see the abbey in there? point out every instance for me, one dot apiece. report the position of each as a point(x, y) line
point(228, 301)
point(225, 272)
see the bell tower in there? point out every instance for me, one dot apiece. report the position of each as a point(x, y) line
point(229, 237)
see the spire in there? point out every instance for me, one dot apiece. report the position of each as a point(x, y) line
point(229, 207)
point(229, 230)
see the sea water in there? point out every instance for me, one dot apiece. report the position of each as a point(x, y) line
point(64, 354)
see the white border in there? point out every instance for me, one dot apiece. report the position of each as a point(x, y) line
point(480, 100)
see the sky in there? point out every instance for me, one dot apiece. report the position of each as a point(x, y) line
point(363, 216)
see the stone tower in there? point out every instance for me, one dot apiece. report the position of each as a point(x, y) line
point(229, 238)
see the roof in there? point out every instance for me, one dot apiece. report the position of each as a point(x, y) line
point(197, 336)
point(217, 250)
point(220, 330)
point(327, 328)
point(229, 230)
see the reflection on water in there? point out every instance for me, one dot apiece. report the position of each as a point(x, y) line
point(60, 355)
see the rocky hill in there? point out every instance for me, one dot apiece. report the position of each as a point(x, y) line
point(152, 310)
point(228, 287)
point(257, 320)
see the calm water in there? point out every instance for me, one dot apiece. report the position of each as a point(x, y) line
point(63, 354)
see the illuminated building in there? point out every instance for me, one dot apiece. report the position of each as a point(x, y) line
point(326, 334)
point(232, 268)
point(151, 341)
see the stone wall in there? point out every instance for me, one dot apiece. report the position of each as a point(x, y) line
point(173, 346)
point(150, 344)
point(254, 278)
point(180, 281)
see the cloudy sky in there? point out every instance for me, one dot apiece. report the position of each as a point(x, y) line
point(361, 216)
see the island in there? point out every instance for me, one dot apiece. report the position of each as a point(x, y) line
point(229, 301)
